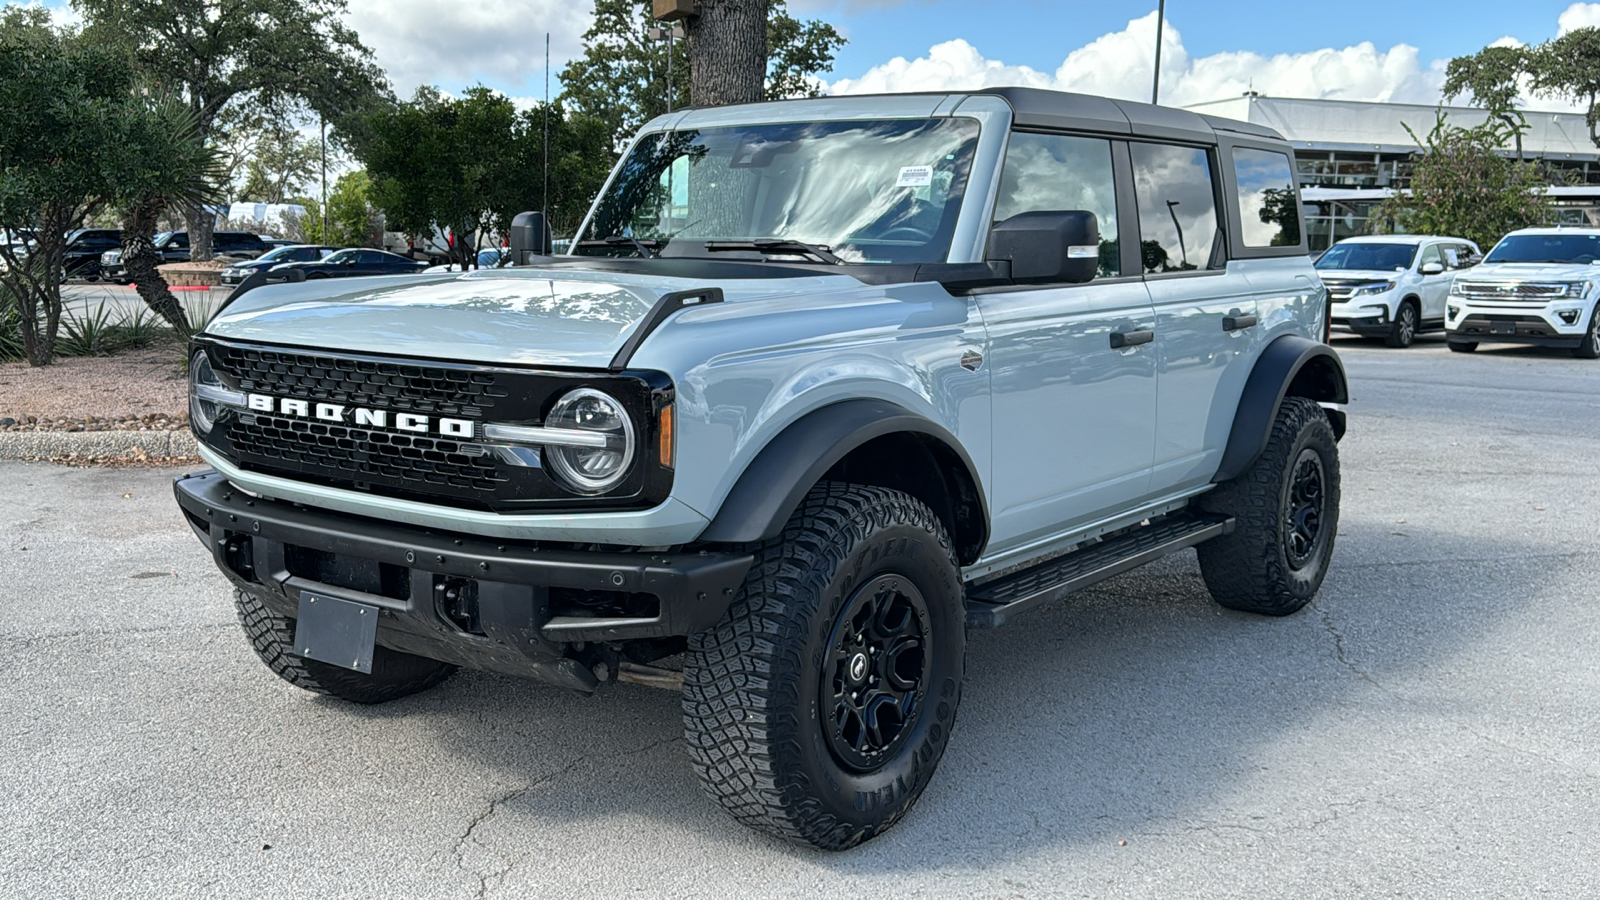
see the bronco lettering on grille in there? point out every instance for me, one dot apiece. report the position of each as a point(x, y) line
point(364, 417)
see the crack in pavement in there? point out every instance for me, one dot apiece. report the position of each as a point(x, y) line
point(1340, 654)
point(495, 804)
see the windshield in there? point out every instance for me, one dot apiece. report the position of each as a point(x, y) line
point(284, 254)
point(869, 191)
point(1366, 255)
point(1546, 248)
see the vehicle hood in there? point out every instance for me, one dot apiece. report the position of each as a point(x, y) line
point(1529, 272)
point(530, 316)
point(1358, 275)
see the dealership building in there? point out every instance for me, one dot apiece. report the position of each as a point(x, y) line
point(1351, 154)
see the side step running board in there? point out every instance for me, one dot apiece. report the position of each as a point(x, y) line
point(992, 604)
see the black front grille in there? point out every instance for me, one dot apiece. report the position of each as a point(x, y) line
point(394, 385)
point(414, 465)
point(365, 455)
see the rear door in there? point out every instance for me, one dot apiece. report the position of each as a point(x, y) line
point(1074, 418)
point(1206, 316)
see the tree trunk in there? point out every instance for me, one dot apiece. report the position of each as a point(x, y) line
point(140, 258)
point(37, 288)
point(728, 52)
point(201, 223)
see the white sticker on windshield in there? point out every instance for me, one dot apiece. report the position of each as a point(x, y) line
point(915, 176)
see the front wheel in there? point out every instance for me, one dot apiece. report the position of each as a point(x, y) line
point(1286, 514)
point(1404, 330)
point(1590, 348)
point(817, 709)
point(1463, 346)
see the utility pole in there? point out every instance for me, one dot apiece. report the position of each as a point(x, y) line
point(1155, 84)
point(669, 33)
point(544, 192)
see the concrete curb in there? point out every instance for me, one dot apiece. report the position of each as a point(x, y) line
point(29, 444)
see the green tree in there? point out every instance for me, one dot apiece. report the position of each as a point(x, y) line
point(1491, 77)
point(277, 57)
point(1462, 186)
point(280, 162)
point(621, 79)
point(468, 165)
point(1568, 68)
point(82, 135)
point(352, 219)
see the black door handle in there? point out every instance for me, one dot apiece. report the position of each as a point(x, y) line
point(1234, 323)
point(1120, 339)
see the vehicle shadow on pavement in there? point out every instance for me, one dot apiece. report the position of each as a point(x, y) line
point(1135, 708)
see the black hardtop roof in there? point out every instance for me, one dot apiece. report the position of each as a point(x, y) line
point(1039, 108)
point(1042, 108)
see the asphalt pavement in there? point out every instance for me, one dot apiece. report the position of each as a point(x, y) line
point(1430, 727)
point(119, 302)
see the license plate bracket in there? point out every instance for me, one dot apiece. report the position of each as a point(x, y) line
point(1502, 328)
point(337, 632)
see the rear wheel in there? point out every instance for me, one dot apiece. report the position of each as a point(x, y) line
point(1590, 348)
point(1286, 514)
point(1463, 346)
point(1404, 329)
point(817, 709)
point(394, 674)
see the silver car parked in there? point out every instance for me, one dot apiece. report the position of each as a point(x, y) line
point(819, 385)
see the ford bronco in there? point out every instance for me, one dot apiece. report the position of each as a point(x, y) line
point(820, 385)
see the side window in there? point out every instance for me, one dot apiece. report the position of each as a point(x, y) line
point(1051, 172)
point(1269, 205)
point(1430, 254)
point(179, 242)
point(1177, 207)
point(373, 258)
point(1452, 255)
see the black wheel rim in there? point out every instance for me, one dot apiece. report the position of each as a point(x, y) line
point(872, 680)
point(1306, 500)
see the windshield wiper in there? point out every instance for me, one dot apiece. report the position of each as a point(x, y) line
point(645, 247)
point(820, 252)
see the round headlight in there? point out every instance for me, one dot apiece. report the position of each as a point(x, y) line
point(202, 413)
point(590, 470)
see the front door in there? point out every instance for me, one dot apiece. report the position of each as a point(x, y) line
point(1434, 287)
point(1074, 418)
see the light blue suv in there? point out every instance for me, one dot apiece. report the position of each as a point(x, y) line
point(820, 385)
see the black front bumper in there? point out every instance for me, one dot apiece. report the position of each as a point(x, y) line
point(532, 601)
point(1478, 327)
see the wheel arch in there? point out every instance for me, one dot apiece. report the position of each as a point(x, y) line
point(863, 441)
point(1290, 366)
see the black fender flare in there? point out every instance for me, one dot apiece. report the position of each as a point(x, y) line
point(778, 478)
point(1289, 366)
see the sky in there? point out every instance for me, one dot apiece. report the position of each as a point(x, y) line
point(1353, 49)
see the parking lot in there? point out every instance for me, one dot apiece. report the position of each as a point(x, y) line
point(1429, 727)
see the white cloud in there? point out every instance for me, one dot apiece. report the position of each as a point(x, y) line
point(420, 42)
point(1578, 15)
point(1120, 64)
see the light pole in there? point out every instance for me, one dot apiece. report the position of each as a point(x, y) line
point(668, 33)
point(1155, 84)
point(1172, 210)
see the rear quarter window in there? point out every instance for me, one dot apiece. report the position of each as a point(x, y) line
point(1269, 205)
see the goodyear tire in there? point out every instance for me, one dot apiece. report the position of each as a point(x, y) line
point(818, 708)
point(1286, 515)
point(394, 674)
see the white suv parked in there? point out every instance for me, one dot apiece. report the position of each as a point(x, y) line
point(1537, 286)
point(1392, 286)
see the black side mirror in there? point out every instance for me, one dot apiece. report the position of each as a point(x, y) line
point(1048, 247)
point(530, 236)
